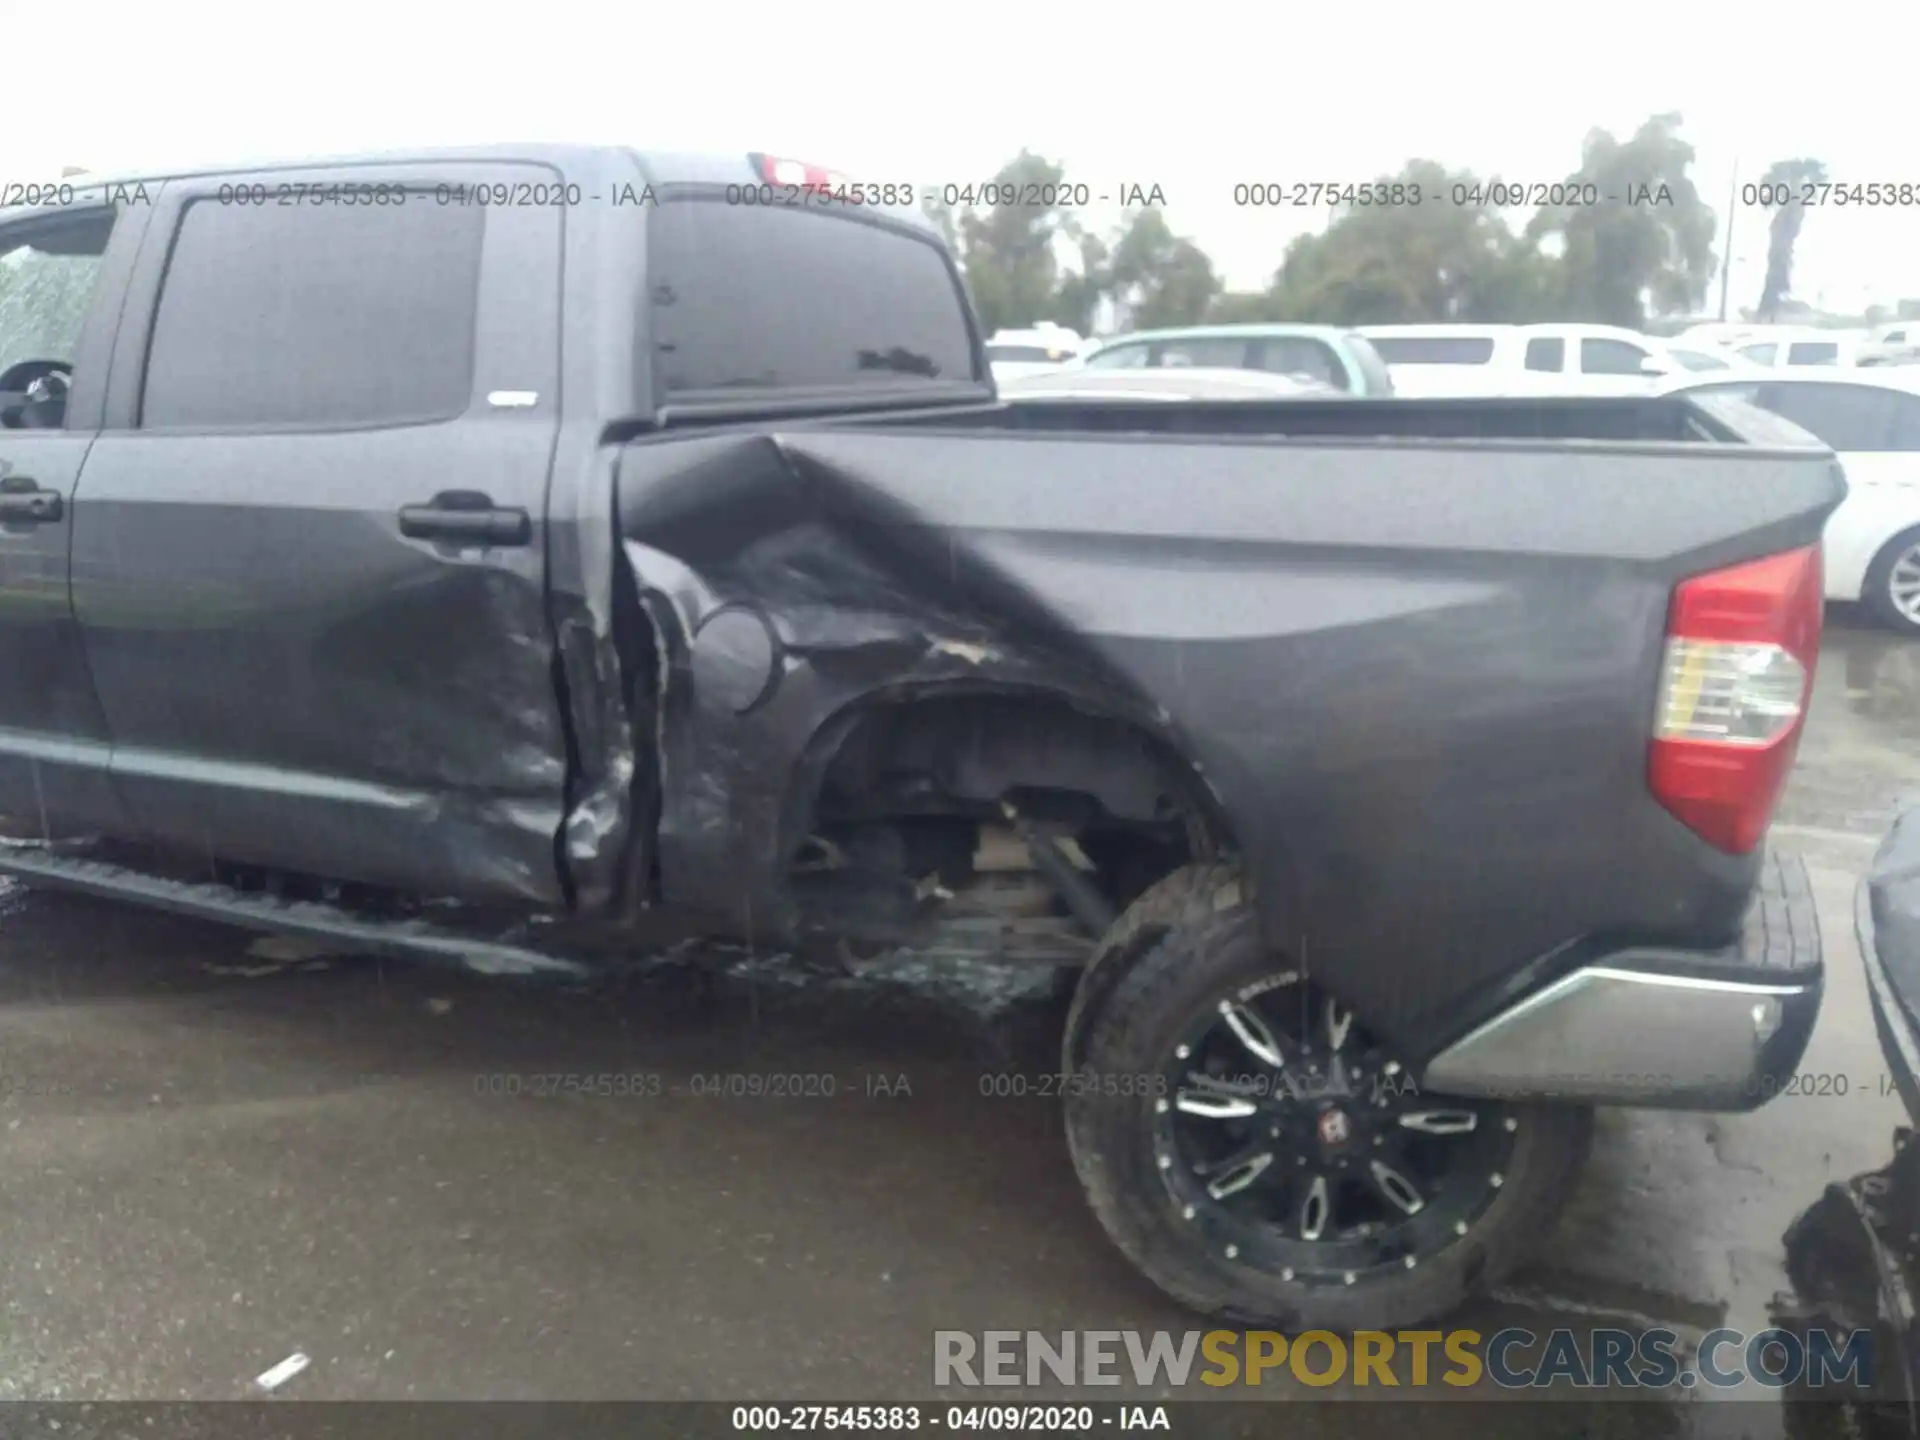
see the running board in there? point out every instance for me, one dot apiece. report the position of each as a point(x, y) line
point(401, 939)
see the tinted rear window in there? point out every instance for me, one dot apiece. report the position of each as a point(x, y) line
point(1813, 352)
point(756, 298)
point(1434, 349)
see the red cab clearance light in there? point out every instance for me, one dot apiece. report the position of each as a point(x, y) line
point(1741, 648)
point(775, 171)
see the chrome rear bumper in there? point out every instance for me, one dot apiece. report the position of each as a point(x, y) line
point(1671, 1029)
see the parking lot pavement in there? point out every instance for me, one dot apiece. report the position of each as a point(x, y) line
point(214, 1161)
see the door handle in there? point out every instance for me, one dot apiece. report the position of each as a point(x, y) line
point(466, 517)
point(22, 506)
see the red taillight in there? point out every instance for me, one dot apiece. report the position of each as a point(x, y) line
point(1740, 653)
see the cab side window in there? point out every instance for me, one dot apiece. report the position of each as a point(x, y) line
point(49, 269)
point(1601, 356)
point(1813, 352)
point(1120, 357)
point(315, 316)
point(1906, 422)
point(1300, 355)
point(1209, 353)
point(1547, 353)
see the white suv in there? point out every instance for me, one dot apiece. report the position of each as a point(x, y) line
point(1559, 359)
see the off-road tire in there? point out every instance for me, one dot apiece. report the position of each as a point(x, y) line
point(1181, 945)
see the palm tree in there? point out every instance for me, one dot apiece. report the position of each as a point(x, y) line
point(1780, 189)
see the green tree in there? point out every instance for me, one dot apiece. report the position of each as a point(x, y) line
point(1244, 307)
point(1159, 277)
point(1449, 256)
point(1646, 238)
point(1007, 251)
point(1781, 188)
point(1076, 300)
point(940, 215)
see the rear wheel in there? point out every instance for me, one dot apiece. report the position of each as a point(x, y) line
point(1892, 589)
point(1258, 1155)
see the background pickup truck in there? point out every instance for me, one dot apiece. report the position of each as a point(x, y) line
point(512, 556)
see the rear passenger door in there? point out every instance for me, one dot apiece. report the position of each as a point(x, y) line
point(1544, 361)
point(308, 558)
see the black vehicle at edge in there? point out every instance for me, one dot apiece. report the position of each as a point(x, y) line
point(518, 556)
point(1854, 1254)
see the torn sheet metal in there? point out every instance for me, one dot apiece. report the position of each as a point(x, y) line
point(789, 596)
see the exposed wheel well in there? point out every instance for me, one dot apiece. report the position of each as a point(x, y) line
point(916, 789)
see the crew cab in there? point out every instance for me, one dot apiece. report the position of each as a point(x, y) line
point(1896, 344)
point(520, 556)
point(1549, 359)
point(1785, 346)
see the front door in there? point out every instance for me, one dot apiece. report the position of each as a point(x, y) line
point(59, 296)
point(310, 559)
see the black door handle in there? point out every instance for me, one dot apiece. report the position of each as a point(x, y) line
point(465, 517)
point(22, 506)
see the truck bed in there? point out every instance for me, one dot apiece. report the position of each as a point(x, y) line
point(1411, 648)
point(1624, 419)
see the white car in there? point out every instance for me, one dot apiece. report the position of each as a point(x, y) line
point(1557, 359)
point(1791, 348)
point(1720, 335)
point(1194, 382)
point(1710, 359)
point(1013, 353)
point(1871, 420)
point(1896, 344)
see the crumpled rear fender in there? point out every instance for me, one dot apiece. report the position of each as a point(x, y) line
point(786, 599)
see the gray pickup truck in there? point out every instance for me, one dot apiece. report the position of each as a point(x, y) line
point(520, 556)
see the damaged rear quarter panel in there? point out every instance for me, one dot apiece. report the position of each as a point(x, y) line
point(1417, 676)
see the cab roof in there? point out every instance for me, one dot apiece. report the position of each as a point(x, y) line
point(1277, 330)
point(656, 167)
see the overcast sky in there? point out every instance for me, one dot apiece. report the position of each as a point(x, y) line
point(1194, 97)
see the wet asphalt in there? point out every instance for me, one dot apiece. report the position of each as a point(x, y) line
point(214, 1159)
